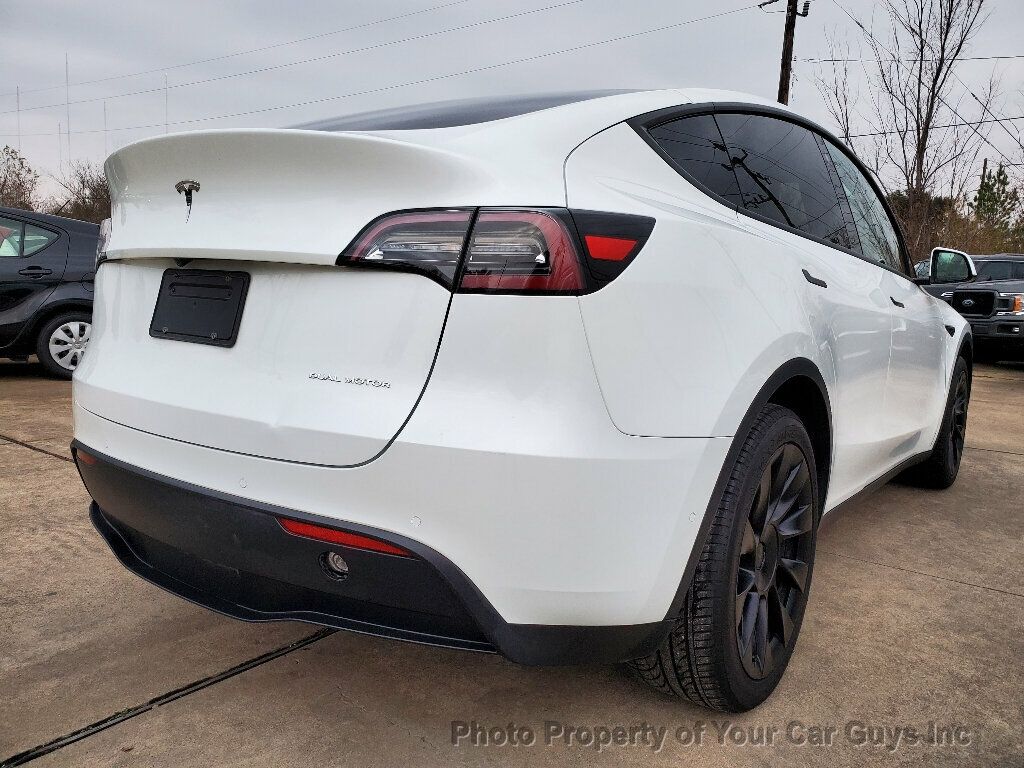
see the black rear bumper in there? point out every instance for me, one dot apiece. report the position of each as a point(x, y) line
point(232, 556)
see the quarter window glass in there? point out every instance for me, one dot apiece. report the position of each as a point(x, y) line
point(10, 232)
point(878, 240)
point(784, 175)
point(695, 144)
point(37, 238)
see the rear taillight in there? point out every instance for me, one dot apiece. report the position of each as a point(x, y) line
point(429, 242)
point(521, 252)
point(511, 251)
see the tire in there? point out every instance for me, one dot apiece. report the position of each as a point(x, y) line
point(941, 468)
point(62, 341)
point(703, 659)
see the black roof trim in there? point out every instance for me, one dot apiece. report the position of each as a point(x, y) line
point(998, 257)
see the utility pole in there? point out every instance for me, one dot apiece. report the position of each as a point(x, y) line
point(786, 73)
point(981, 184)
point(17, 92)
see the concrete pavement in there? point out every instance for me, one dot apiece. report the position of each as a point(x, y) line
point(916, 618)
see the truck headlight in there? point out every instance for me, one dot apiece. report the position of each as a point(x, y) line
point(1011, 304)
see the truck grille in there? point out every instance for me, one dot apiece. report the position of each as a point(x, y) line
point(974, 303)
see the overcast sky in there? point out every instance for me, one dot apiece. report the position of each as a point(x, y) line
point(114, 40)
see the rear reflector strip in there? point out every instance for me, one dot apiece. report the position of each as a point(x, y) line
point(609, 248)
point(611, 242)
point(334, 536)
point(85, 458)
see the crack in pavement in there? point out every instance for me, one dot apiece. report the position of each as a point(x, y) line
point(23, 444)
point(127, 714)
point(993, 450)
point(919, 573)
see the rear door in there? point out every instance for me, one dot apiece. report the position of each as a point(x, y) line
point(788, 181)
point(32, 263)
point(915, 383)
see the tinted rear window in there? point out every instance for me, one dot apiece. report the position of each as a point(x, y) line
point(696, 146)
point(447, 114)
point(784, 175)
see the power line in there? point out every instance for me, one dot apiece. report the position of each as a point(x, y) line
point(813, 60)
point(935, 127)
point(423, 81)
point(324, 57)
point(985, 107)
point(939, 96)
point(248, 51)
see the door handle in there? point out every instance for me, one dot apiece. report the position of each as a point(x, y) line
point(35, 271)
point(813, 280)
point(899, 304)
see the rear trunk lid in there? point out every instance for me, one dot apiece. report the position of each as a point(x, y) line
point(327, 365)
point(328, 362)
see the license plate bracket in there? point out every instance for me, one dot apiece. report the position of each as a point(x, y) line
point(201, 306)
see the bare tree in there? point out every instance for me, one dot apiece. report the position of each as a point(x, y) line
point(18, 180)
point(837, 89)
point(915, 130)
point(85, 194)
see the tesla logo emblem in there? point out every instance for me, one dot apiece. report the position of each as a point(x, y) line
point(187, 186)
point(968, 302)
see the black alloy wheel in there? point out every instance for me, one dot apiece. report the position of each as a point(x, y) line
point(740, 618)
point(958, 427)
point(777, 545)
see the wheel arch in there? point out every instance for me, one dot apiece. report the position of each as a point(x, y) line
point(808, 399)
point(966, 351)
point(799, 386)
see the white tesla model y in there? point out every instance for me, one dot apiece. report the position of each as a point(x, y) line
point(569, 378)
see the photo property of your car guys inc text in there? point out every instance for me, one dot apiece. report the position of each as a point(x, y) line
point(455, 382)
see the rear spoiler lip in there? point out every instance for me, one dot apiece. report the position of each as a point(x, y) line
point(325, 136)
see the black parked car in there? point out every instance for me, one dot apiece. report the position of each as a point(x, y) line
point(987, 290)
point(47, 265)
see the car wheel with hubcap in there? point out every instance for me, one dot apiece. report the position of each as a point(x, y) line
point(744, 607)
point(62, 343)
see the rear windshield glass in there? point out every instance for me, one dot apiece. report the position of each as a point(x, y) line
point(447, 114)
